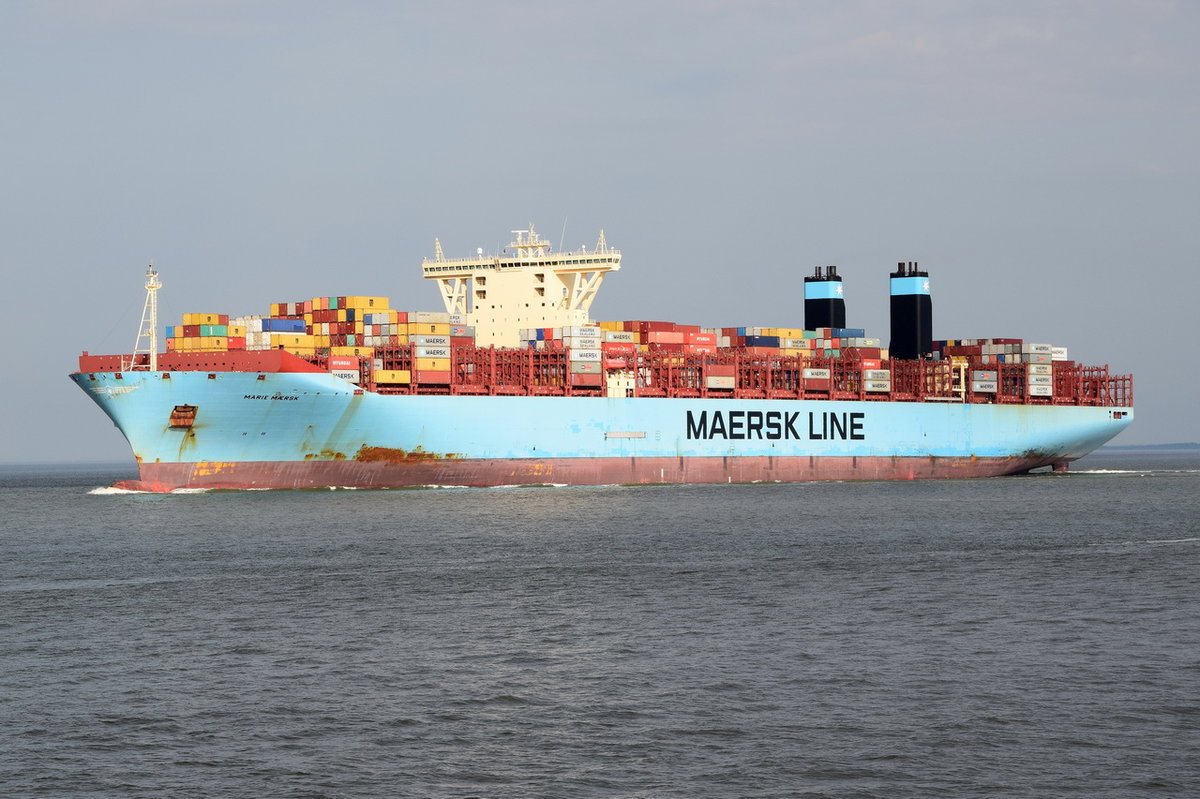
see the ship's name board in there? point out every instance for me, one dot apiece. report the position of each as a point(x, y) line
point(776, 425)
point(271, 397)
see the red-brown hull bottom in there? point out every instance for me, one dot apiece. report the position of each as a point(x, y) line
point(566, 471)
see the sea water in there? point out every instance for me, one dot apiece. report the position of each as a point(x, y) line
point(1031, 636)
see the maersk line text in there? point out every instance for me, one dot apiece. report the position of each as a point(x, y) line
point(775, 425)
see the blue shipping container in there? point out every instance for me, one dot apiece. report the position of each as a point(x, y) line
point(283, 325)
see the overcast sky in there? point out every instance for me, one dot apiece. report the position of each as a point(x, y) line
point(1039, 159)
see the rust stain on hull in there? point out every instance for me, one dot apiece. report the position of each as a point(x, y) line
point(368, 454)
point(325, 455)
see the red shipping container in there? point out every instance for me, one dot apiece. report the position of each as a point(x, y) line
point(191, 331)
point(616, 363)
point(431, 376)
point(170, 345)
point(237, 342)
point(618, 347)
point(720, 370)
point(686, 329)
point(222, 319)
point(343, 362)
point(703, 349)
point(700, 338)
point(587, 380)
point(462, 341)
point(655, 327)
point(871, 363)
point(666, 347)
point(663, 337)
point(341, 302)
point(402, 317)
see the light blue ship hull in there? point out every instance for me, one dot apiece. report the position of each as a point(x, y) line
point(294, 430)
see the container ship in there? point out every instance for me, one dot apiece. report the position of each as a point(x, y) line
point(513, 383)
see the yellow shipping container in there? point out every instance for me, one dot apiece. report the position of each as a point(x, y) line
point(432, 364)
point(393, 376)
point(615, 326)
point(357, 352)
point(302, 350)
point(367, 303)
point(289, 340)
point(428, 328)
point(237, 331)
point(213, 343)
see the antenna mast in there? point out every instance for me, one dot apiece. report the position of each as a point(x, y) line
point(148, 329)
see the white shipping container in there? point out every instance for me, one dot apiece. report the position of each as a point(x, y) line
point(431, 352)
point(431, 341)
point(592, 332)
point(721, 381)
point(1037, 349)
point(985, 374)
point(429, 317)
point(1040, 369)
point(458, 318)
point(877, 374)
point(585, 367)
point(1060, 354)
point(1041, 380)
point(1041, 391)
point(816, 374)
point(582, 342)
point(584, 355)
point(877, 385)
point(983, 386)
point(346, 374)
point(1037, 357)
point(626, 336)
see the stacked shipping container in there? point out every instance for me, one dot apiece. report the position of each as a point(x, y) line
point(369, 343)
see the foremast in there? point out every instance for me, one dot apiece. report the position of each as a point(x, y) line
point(526, 286)
point(148, 329)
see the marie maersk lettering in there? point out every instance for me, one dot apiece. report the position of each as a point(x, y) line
point(775, 425)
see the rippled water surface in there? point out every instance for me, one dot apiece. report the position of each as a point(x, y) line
point(1033, 636)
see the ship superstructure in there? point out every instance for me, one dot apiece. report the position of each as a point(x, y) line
point(527, 286)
